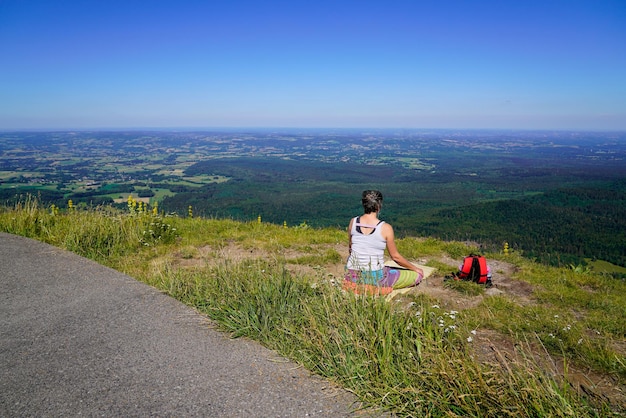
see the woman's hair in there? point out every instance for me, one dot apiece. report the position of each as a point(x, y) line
point(372, 201)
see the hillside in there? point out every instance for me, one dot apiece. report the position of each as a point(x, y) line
point(543, 341)
point(559, 227)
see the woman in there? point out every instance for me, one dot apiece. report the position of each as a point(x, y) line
point(369, 237)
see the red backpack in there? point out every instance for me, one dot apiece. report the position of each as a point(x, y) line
point(474, 269)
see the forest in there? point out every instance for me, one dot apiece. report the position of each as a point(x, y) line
point(563, 225)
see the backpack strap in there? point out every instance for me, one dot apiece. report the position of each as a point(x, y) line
point(466, 268)
point(482, 276)
point(359, 225)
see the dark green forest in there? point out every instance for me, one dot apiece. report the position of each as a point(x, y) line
point(562, 225)
point(558, 227)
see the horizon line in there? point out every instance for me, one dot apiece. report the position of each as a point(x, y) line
point(305, 128)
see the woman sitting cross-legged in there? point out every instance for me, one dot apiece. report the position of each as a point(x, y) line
point(369, 236)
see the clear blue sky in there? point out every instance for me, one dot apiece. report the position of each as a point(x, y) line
point(407, 64)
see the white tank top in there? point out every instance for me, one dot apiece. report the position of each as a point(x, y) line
point(368, 250)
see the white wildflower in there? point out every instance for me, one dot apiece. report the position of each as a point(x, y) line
point(470, 339)
point(435, 306)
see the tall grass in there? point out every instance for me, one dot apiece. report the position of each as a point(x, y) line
point(100, 233)
point(413, 358)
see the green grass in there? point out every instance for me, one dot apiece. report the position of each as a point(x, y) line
point(160, 193)
point(464, 287)
point(605, 266)
point(327, 257)
point(410, 357)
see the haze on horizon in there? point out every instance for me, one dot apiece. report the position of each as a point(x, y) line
point(325, 64)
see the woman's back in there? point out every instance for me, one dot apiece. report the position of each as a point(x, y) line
point(368, 246)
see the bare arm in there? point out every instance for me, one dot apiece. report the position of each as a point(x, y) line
point(350, 236)
point(388, 234)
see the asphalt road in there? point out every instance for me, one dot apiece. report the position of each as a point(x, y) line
point(80, 339)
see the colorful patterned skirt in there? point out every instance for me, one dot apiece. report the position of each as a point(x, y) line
point(379, 282)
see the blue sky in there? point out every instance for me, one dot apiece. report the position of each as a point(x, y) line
point(390, 64)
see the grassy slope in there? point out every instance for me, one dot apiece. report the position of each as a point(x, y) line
point(440, 351)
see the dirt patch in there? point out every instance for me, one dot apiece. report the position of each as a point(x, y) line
point(207, 255)
point(503, 278)
point(503, 283)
